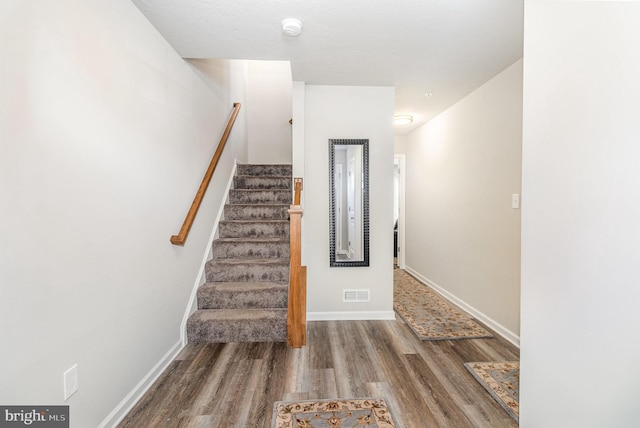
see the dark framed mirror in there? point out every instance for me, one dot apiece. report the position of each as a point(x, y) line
point(349, 202)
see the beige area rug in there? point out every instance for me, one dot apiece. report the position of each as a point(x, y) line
point(430, 316)
point(343, 413)
point(502, 381)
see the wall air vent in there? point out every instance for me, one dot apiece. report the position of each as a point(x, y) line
point(360, 296)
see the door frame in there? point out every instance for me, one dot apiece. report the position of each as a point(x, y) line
point(400, 160)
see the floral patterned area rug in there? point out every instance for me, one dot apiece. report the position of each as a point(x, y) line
point(430, 316)
point(345, 413)
point(502, 380)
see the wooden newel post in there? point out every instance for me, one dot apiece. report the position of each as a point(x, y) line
point(297, 310)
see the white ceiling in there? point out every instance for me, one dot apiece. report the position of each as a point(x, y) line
point(444, 47)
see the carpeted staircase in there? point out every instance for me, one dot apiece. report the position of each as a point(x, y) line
point(245, 296)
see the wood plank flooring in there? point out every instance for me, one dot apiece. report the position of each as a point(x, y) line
point(235, 385)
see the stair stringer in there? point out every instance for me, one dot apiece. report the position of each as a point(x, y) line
point(192, 304)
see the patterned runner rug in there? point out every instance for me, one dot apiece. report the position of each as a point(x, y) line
point(502, 380)
point(430, 316)
point(354, 412)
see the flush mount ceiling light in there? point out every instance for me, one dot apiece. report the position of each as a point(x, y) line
point(402, 119)
point(292, 27)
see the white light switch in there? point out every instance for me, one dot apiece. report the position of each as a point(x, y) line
point(515, 201)
point(70, 382)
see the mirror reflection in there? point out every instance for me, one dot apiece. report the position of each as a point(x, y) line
point(349, 214)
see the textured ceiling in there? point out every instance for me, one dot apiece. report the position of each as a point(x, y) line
point(445, 47)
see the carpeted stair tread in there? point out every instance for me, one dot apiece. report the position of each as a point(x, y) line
point(223, 270)
point(236, 295)
point(253, 229)
point(256, 211)
point(260, 196)
point(275, 240)
point(258, 182)
point(237, 325)
point(278, 221)
point(246, 248)
point(265, 262)
point(235, 314)
point(264, 169)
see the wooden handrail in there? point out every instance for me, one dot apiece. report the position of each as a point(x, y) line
point(297, 309)
point(181, 237)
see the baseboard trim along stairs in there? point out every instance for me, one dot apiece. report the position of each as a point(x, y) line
point(244, 298)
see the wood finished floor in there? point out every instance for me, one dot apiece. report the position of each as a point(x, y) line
point(235, 385)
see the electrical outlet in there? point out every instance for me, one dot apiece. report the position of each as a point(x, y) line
point(515, 201)
point(70, 382)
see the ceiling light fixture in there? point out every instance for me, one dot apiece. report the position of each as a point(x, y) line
point(402, 119)
point(292, 27)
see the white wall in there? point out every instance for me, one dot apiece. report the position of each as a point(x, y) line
point(462, 236)
point(228, 82)
point(580, 228)
point(297, 132)
point(105, 134)
point(348, 112)
point(270, 93)
point(399, 144)
point(268, 87)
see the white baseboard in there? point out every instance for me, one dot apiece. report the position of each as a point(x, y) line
point(492, 324)
point(125, 406)
point(351, 316)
